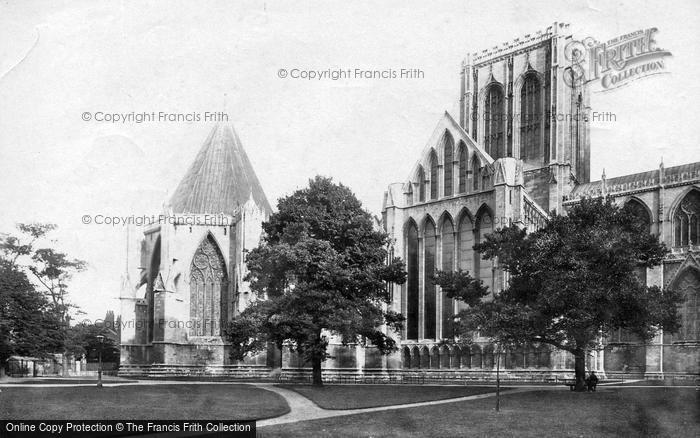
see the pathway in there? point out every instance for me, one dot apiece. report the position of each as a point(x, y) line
point(303, 409)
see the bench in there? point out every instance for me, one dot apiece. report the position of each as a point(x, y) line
point(571, 383)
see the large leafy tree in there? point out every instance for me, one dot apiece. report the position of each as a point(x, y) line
point(35, 316)
point(570, 283)
point(29, 324)
point(51, 269)
point(321, 269)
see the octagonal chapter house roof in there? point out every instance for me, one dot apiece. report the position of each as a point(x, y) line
point(221, 178)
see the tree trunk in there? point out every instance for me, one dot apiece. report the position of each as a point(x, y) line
point(316, 370)
point(580, 369)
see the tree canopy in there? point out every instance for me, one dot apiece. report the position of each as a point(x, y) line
point(82, 340)
point(569, 283)
point(29, 324)
point(34, 316)
point(321, 269)
point(51, 269)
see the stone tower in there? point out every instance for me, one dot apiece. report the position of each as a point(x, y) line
point(522, 99)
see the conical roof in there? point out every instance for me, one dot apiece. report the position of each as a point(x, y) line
point(220, 179)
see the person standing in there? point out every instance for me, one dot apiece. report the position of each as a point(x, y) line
point(592, 381)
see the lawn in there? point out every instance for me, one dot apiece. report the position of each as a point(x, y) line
point(610, 412)
point(60, 381)
point(369, 396)
point(142, 402)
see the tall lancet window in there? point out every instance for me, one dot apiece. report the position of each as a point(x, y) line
point(448, 158)
point(494, 115)
point(412, 291)
point(448, 248)
point(208, 286)
point(640, 215)
point(421, 184)
point(433, 175)
point(429, 258)
point(462, 167)
point(686, 220)
point(475, 173)
point(409, 194)
point(531, 119)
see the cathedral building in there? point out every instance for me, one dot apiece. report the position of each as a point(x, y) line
point(519, 150)
point(190, 279)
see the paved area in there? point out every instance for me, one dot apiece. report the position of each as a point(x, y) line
point(303, 409)
point(114, 383)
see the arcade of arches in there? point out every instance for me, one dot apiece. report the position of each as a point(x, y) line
point(447, 244)
point(473, 357)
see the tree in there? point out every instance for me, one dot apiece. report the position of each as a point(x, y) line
point(51, 269)
point(29, 324)
point(570, 283)
point(82, 340)
point(321, 269)
point(471, 323)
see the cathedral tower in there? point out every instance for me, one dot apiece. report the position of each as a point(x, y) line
point(524, 99)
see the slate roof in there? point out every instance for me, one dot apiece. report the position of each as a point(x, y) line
point(220, 179)
point(638, 181)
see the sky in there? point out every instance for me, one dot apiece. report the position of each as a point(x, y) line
point(60, 60)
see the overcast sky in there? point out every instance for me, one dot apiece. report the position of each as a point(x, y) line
point(61, 59)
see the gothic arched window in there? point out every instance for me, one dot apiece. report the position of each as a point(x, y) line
point(688, 283)
point(466, 244)
point(409, 194)
point(530, 118)
point(150, 296)
point(686, 227)
point(429, 247)
point(475, 174)
point(448, 250)
point(412, 300)
point(448, 154)
point(421, 184)
point(208, 287)
point(494, 115)
point(462, 167)
point(483, 269)
point(639, 212)
point(485, 178)
point(433, 175)
point(640, 215)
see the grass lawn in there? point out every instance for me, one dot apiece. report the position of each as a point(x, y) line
point(58, 381)
point(159, 402)
point(610, 412)
point(667, 382)
point(370, 396)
